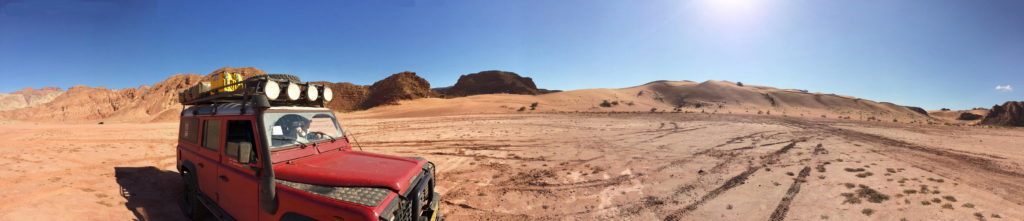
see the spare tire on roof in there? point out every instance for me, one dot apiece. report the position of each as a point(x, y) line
point(279, 77)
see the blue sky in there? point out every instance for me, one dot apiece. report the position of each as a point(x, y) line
point(928, 53)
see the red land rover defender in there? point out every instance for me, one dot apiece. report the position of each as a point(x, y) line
point(268, 150)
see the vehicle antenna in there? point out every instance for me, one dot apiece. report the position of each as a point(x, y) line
point(356, 141)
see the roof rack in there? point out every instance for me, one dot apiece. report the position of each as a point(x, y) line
point(279, 92)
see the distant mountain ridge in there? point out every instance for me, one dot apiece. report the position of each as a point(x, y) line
point(494, 92)
point(28, 97)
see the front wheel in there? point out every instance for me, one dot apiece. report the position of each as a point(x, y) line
point(190, 204)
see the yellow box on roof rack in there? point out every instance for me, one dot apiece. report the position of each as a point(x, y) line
point(226, 78)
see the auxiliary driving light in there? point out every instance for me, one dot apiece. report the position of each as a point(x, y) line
point(328, 94)
point(272, 89)
point(312, 93)
point(293, 91)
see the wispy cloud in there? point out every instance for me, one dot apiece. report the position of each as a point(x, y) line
point(1004, 88)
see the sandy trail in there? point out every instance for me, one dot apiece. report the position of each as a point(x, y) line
point(575, 167)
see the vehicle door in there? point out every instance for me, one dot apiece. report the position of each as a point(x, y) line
point(209, 157)
point(239, 186)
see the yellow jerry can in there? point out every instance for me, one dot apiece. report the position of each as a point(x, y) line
point(226, 78)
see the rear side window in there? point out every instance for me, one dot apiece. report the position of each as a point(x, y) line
point(189, 130)
point(211, 134)
point(239, 135)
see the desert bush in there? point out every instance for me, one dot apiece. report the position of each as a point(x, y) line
point(949, 198)
point(865, 174)
point(533, 106)
point(947, 206)
point(867, 211)
point(925, 202)
point(871, 194)
point(968, 205)
point(850, 198)
point(521, 109)
point(739, 84)
point(854, 170)
point(910, 191)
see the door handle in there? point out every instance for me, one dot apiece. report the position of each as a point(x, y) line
point(201, 165)
point(224, 178)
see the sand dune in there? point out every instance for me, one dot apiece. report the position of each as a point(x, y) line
point(665, 96)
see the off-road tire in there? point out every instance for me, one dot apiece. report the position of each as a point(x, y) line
point(190, 204)
point(280, 77)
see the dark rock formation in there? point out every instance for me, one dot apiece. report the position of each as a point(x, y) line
point(1010, 113)
point(968, 116)
point(492, 82)
point(918, 110)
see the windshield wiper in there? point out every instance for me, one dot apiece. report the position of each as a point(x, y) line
point(291, 139)
point(325, 134)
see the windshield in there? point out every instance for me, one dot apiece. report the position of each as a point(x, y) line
point(294, 128)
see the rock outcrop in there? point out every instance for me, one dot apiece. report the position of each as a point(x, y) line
point(400, 86)
point(1010, 113)
point(492, 82)
point(347, 96)
point(968, 116)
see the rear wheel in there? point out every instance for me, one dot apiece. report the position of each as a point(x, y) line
point(190, 205)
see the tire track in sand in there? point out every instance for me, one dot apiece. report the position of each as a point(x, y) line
point(783, 208)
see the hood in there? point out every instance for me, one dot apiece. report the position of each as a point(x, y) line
point(350, 168)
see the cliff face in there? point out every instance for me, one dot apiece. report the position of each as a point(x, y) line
point(492, 82)
point(1010, 113)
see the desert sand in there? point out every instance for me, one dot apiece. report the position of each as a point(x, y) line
point(573, 166)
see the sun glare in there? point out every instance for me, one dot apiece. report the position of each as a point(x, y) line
point(731, 11)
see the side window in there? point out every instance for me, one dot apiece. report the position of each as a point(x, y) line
point(240, 135)
point(211, 134)
point(189, 130)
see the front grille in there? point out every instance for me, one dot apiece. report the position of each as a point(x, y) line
point(404, 212)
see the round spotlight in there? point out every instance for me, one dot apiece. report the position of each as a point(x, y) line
point(272, 89)
point(328, 94)
point(312, 93)
point(293, 91)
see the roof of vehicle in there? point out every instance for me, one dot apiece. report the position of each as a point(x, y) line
point(234, 109)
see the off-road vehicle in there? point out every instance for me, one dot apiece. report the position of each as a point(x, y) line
point(265, 148)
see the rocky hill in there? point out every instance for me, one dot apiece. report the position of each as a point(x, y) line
point(347, 96)
point(28, 97)
point(400, 86)
point(142, 104)
point(491, 82)
point(1010, 113)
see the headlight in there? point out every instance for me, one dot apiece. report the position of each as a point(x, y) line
point(369, 196)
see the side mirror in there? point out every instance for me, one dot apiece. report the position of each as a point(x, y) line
point(245, 153)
